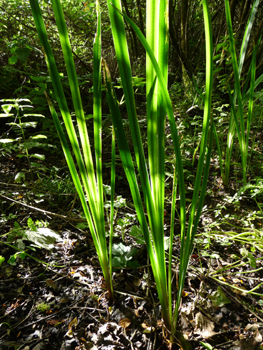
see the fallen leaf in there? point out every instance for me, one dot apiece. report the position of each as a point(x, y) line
point(204, 326)
point(70, 326)
point(258, 337)
point(136, 281)
point(73, 323)
point(43, 237)
point(51, 284)
point(124, 323)
point(64, 300)
point(147, 328)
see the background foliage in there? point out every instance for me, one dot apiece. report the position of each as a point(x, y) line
point(21, 56)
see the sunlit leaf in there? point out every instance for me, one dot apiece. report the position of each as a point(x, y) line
point(43, 237)
point(219, 299)
point(20, 177)
point(12, 60)
point(38, 156)
point(6, 140)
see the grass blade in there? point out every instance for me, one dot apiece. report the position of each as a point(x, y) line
point(203, 166)
point(238, 117)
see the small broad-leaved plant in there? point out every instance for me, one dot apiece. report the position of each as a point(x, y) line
point(18, 109)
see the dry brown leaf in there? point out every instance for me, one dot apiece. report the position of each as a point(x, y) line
point(73, 323)
point(136, 281)
point(147, 328)
point(124, 323)
point(204, 326)
point(258, 337)
point(64, 300)
point(70, 326)
point(51, 284)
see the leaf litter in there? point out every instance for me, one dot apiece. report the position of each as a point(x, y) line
point(55, 297)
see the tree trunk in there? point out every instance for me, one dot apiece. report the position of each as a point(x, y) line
point(141, 23)
point(175, 40)
point(133, 35)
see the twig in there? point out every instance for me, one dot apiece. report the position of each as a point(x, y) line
point(46, 212)
point(49, 316)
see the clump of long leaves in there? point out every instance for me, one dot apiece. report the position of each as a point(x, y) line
point(237, 121)
point(88, 181)
point(151, 173)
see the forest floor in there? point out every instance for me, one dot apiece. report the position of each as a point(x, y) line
point(54, 297)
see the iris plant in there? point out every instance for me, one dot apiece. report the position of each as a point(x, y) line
point(150, 173)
